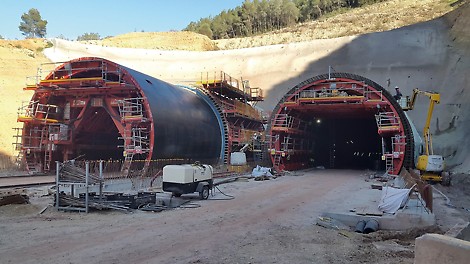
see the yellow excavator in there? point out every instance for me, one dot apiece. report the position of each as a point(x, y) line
point(431, 166)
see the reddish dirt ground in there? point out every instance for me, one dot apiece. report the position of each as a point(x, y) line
point(268, 222)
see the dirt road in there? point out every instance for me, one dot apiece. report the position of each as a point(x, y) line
point(267, 222)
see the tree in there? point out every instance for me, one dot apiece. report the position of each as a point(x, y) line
point(89, 36)
point(32, 25)
point(205, 29)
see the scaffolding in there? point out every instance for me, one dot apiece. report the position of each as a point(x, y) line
point(131, 109)
point(50, 75)
point(135, 131)
point(394, 154)
point(234, 101)
point(387, 122)
point(340, 92)
point(33, 111)
point(289, 124)
point(222, 83)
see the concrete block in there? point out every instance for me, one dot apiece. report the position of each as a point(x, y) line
point(440, 249)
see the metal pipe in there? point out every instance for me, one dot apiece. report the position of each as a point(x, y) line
point(372, 225)
point(87, 174)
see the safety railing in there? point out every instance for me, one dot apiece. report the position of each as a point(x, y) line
point(332, 92)
point(293, 144)
point(253, 92)
point(58, 132)
point(136, 141)
point(97, 69)
point(34, 139)
point(131, 108)
point(219, 78)
point(284, 121)
point(387, 121)
point(38, 111)
point(344, 93)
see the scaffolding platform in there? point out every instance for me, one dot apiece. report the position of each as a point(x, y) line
point(224, 84)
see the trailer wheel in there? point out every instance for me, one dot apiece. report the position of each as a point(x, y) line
point(446, 178)
point(204, 193)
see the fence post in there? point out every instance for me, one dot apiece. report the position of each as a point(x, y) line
point(101, 180)
point(57, 184)
point(87, 173)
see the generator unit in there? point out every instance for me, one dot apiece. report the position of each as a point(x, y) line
point(188, 178)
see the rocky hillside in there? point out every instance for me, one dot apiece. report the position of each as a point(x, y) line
point(347, 22)
point(18, 60)
point(183, 40)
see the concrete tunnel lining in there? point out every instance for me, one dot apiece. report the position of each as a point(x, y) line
point(346, 98)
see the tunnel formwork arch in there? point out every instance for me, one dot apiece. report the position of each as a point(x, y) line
point(340, 120)
point(99, 109)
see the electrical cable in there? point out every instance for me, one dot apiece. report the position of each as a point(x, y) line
point(231, 197)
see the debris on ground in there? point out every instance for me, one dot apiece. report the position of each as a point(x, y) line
point(262, 173)
point(14, 199)
point(331, 223)
point(114, 201)
point(13, 196)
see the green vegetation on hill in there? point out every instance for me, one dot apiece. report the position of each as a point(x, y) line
point(261, 16)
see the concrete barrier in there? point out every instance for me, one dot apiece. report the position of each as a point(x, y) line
point(440, 249)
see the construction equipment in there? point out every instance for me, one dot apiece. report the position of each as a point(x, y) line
point(430, 165)
point(188, 178)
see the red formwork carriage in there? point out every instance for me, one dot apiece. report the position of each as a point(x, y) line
point(99, 110)
point(340, 120)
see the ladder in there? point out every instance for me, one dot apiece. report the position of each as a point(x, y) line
point(389, 167)
point(277, 160)
point(126, 165)
point(31, 164)
point(136, 141)
point(397, 149)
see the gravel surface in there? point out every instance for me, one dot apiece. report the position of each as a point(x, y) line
point(269, 221)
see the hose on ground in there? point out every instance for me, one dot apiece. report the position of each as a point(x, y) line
point(230, 197)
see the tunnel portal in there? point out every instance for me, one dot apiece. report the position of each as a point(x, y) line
point(343, 121)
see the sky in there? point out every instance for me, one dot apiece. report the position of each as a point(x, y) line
point(109, 17)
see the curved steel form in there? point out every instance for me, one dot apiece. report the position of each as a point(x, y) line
point(340, 120)
point(98, 109)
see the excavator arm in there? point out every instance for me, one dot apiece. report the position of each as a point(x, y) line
point(431, 166)
point(434, 98)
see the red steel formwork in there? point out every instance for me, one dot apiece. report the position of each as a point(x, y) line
point(100, 110)
point(340, 120)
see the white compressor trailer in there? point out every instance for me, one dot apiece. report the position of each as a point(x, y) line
point(188, 178)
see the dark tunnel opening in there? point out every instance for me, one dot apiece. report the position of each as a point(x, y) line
point(98, 138)
point(347, 143)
